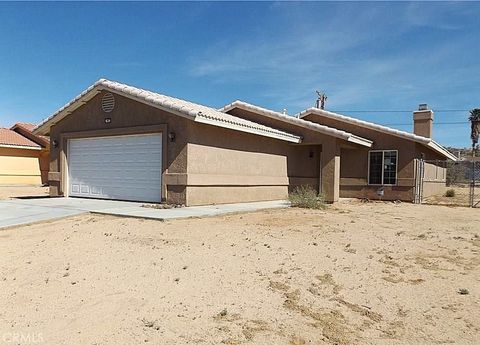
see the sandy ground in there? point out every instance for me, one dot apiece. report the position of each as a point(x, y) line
point(375, 273)
point(461, 197)
point(10, 192)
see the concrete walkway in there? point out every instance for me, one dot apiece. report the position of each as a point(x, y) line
point(26, 211)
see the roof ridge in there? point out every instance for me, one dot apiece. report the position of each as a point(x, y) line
point(295, 120)
point(193, 111)
point(407, 135)
point(242, 123)
point(104, 82)
point(350, 118)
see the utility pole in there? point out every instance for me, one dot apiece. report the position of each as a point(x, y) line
point(321, 99)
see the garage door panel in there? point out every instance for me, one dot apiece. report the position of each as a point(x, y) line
point(125, 168)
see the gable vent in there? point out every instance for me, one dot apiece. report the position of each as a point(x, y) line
point(108, 102)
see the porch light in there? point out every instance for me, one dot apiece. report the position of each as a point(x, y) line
point(171, 136)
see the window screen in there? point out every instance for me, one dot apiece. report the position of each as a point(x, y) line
point(389, 167)
point(383, 167)
point(376, 167)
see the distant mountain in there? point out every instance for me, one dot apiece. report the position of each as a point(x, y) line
point(463, 152)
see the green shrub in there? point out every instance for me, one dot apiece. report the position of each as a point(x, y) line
point(450, 193)
point(306, 197)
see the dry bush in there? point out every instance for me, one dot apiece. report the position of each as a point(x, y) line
point(450, 193)
point(306, 197)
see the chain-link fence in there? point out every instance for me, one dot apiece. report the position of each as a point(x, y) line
point(448, 183)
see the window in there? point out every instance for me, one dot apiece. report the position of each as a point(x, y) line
point(382, 167)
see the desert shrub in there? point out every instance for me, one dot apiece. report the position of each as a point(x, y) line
point(306, 197)
point(450, 193)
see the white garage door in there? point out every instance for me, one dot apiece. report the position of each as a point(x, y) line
point(120, 167)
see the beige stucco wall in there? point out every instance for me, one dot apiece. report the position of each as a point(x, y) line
point(433, 188)
point(20, 166)
point(224, 175)
point(435, 179)
point(44, 164)
point(207, 195)
point(301, 169)
point(225, 166)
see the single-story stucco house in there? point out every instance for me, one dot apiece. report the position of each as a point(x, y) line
point(116, 141)
point(24, 156)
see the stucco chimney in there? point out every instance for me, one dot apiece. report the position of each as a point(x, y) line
point(423, 121)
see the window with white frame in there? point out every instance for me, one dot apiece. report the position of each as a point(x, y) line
point(382, 167)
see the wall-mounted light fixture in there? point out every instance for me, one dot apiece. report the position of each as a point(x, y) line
point(55, 143)
point(108, 120)
point(171, 136)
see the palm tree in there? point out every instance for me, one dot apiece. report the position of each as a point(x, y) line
point(474, 119)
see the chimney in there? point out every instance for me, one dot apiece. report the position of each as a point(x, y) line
point(423, 121)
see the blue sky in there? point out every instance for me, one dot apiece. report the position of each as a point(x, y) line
point(365, 56)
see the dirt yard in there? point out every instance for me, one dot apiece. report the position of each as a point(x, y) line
point(461, 197)
point(7, 192)
point(376, 273)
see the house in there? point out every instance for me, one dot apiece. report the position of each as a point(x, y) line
point(24, 156)
point(116, 141)
point(397, 164)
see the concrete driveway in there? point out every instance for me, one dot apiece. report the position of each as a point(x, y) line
point(26, 211)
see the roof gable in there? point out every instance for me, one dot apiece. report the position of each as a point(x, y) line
point(26, 129)
point(27, 125)
point(192, 111)
point(12, 139)
point(376, 127)
point(298, 122)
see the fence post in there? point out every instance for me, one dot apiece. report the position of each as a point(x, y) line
point(418, 181)
point(472, 183)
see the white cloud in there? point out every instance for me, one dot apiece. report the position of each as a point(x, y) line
point(360, 55)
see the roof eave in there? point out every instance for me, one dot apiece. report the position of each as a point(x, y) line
point(21, 147)
point(360, 141)
point(407, 136)
point(44, 127)
point(230, 106)
point(102, 84)
point(38, 139)
point(342, 135)
point(292, 138)
point(440, 149)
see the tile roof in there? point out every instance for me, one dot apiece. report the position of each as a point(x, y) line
point(298, 122)
point(192, 111)
point(361, 123)
point(14, 139)
point(27, 125)
point(28, 131)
